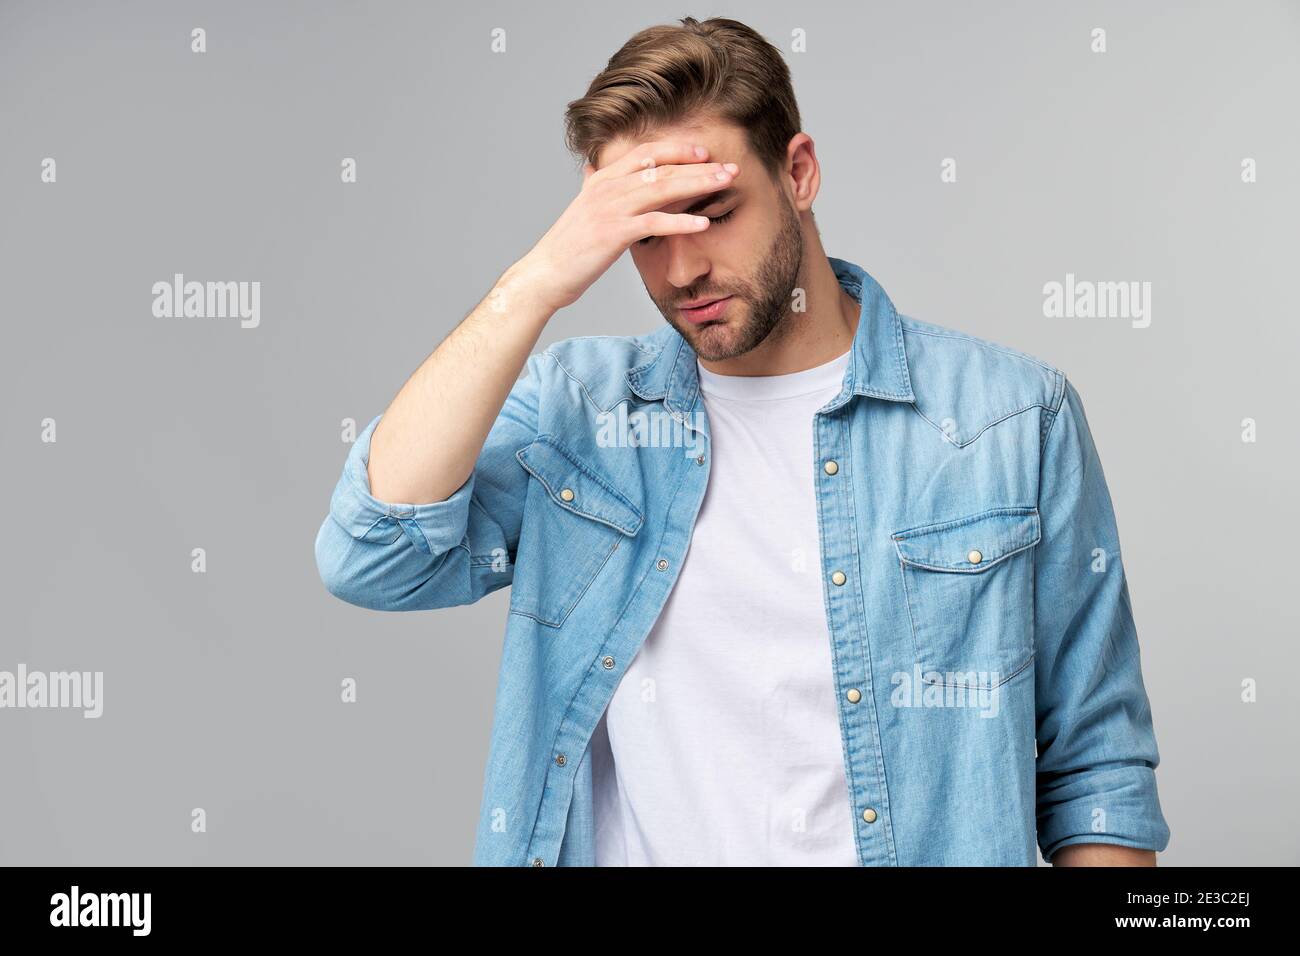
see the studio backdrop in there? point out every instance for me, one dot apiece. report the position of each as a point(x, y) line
point(356, 176)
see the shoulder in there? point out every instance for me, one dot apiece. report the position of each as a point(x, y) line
point(595, 367)
point(606, 353)
point(968, 383)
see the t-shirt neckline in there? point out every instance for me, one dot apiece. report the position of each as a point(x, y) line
point(767, 387)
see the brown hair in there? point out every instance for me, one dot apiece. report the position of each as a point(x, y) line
point(715, 68)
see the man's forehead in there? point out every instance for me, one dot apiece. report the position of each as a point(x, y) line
point(725, 142)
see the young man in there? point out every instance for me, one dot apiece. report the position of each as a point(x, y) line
point(795, 579)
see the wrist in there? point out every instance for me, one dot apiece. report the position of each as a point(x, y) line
point(522, 291)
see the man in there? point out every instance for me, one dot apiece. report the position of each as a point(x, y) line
point(795, 579)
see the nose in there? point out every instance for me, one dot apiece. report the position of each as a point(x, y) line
point(687, 263)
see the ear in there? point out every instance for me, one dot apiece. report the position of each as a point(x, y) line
point(587, 170)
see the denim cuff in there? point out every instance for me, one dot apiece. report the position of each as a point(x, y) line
point(432, 528)
point(1117, 804)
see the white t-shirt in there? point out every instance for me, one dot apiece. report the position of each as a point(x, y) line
point(721, 745)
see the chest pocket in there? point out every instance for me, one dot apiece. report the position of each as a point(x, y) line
point(574, 521)
point(970, 595)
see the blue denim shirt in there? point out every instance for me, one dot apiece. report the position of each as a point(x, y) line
point(985, 657)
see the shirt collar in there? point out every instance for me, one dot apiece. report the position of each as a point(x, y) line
point(878, 367)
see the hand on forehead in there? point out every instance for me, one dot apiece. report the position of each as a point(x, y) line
point(723, 143)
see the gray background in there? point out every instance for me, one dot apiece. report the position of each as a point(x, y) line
point(222, 689)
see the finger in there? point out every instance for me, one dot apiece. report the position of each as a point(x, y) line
point(665, 224)
point(667, 190)
point(649, 155)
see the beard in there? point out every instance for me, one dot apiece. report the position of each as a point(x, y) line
point(760, 305)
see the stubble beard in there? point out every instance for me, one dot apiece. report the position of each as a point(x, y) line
point(766, 300)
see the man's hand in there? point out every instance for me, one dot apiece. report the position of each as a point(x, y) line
point(617, 206)
point(1102, 854)
point(432, 433)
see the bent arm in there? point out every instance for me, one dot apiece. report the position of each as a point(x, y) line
point(434, 520)
point(431, 434)
point(1097, 750)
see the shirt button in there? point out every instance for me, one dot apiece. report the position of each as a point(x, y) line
point(607, 663)
point(854, 695)
point(831, 467)
point(566, 494)
point(974, 557)
point(838, 577)
point(869, 815)
point(537, 861)
point(700, 460)
point(561, 760)
point(661, 564)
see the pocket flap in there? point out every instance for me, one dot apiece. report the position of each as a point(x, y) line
point(576, 487)
point(971, 544)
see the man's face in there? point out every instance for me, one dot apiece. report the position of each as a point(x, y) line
point(752, 257)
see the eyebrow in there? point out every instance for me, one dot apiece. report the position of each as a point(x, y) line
point(720, 196)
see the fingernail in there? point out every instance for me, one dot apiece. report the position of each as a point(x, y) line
point(731, 167)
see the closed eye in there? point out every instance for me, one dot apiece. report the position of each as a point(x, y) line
point(715, 220)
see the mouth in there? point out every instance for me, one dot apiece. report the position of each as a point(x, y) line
point(705, 310)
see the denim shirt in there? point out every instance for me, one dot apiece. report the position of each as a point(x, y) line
point(983, 646)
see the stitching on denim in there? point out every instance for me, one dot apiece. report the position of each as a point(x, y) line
point(573, 601)
point(899, 360)
point(973, 569)
point(584, 470)
point(672, 375)
point(983, 343)
point(911, 618)
point(1059, 396)
point(865, 646)
point(916, 649)
point(613, 630)
point(826, 596)
point(475, 503)
point(370, 528)
point(977, 686)
point(629, 339)
point(428, 548)
point(635, 373)
point(965, 519)
point(996, 421)
point(634, 382)
point(926, 530)
point(580, 383)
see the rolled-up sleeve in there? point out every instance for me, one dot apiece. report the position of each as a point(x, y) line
point(1097, 751)
point(401, 557)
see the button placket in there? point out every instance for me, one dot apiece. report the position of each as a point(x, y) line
point(548, 827)
point(852, 646)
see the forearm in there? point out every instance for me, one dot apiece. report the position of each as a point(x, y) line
point(1102, 854)
point(430, 436)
